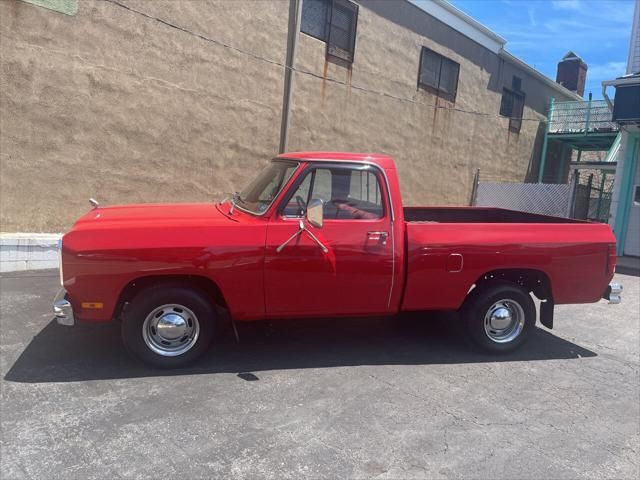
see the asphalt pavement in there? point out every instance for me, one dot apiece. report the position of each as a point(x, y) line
point(360, 398)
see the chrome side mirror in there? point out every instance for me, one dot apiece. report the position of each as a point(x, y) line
point(315, 213)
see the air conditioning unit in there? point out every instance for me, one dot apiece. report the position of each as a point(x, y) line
point(626, 108)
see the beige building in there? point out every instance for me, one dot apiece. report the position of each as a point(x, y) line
point(155, 101)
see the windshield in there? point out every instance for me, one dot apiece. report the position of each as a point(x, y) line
point(262, 191)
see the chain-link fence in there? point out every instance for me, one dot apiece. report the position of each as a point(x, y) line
point(592, 199)
point(542, 198)
point(587, 196)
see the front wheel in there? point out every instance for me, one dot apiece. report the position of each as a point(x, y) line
point(168, 326)
point(500, 317)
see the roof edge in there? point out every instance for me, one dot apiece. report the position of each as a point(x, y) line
point(465, 24)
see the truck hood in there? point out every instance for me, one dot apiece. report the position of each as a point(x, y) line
point(160, 236)
point(147, 226)
point(148, 214)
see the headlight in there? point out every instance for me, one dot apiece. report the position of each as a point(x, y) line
point(60, 261)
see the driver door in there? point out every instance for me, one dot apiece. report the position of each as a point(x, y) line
point(354, 276)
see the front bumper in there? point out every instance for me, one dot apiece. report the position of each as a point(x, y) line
point(63, 310)
point(613, 293)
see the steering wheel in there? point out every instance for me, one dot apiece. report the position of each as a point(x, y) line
point(301, 204)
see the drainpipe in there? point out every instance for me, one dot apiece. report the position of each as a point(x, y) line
point(604, 178)
point(474, 188)
point(545, 143)
point(295, 13)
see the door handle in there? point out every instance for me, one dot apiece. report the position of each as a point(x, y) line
point(380, 237)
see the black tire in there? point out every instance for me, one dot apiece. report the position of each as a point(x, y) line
point(489, 298)
point(188, 303)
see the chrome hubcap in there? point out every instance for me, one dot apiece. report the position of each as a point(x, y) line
point(170, 330)
point(504, 321)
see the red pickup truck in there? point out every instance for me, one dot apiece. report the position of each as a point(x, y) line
point(320, 234)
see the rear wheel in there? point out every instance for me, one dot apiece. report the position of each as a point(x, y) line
point(168, 326)
point(499, 317)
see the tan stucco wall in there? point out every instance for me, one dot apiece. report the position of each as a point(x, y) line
point(120, 107)
point(111, 105)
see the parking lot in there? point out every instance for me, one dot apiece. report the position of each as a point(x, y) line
point(385, 398)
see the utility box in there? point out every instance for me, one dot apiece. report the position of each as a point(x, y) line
point(626, 108)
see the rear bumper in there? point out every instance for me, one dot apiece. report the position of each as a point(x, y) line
point(613, 293)
point(63, 310)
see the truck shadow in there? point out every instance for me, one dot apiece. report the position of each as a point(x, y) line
point(95, 352)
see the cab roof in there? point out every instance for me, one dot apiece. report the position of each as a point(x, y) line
point(383, 161)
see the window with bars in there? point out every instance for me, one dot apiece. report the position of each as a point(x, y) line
point(334, 22)
point(438, 74)
point(512, 105)
point(315, 18)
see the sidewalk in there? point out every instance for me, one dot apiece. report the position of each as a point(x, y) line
point(28, 251)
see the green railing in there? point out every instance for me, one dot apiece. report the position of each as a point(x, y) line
point(581, 117)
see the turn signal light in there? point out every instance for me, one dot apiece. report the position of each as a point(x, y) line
point(92, 305)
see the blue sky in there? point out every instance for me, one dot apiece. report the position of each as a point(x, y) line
point(540, 32)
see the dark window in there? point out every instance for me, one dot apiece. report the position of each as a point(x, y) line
point(516, 83)
point(334, 22)
point(512, 106)
point(438, 74)
point(342, 30)
point(348, 194)
point(636, 195)
point(506, 105)
point(315, 18)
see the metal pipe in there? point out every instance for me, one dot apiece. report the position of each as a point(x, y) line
point(586, 124)
point(604, 178)
point(543, 157)
point(295, 14)
point(561, 164)
point(474, 188)
point(575, 181)
point(606, 97)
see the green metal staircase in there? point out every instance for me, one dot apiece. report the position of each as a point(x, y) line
point(584, 126)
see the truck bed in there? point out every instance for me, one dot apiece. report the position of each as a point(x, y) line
point(478, 215)
point(456, 247)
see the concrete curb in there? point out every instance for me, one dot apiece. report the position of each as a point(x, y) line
point(28, 251)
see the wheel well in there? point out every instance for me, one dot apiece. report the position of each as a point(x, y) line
point(532, 280)
point(204, 284)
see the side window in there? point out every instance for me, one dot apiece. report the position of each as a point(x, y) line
point(322, 185)
point(365, 187)
point(348, 194)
